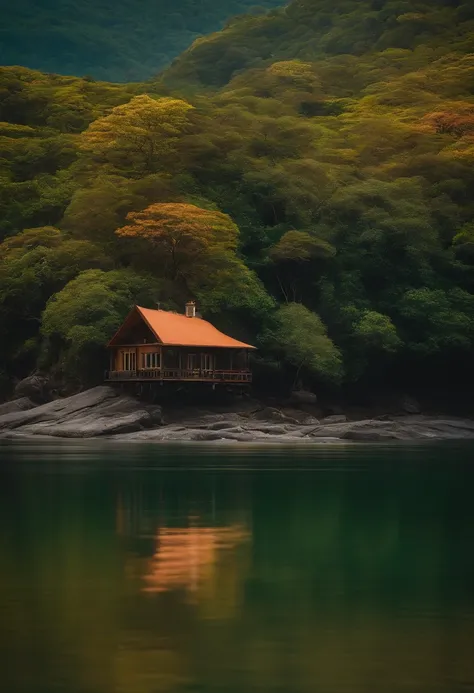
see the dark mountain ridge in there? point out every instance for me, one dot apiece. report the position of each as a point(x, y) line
point(117, 41)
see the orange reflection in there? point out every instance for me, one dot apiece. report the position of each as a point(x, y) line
point(185, 558)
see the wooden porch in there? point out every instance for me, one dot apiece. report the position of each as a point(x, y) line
point(179, 375)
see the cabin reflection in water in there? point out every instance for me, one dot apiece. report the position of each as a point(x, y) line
point(183, 543)
point(186, 558)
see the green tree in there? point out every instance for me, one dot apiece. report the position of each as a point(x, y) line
point(438, 321)
point(229, 285)
point(370, 344)
point(80, 319)
point(301, 337)
point(295, 258)
point(377, 333)
point(33, 266)
point(300, 246)
point(463, 243)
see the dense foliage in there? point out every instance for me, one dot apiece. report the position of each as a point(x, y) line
point(404, 35)
point(118, 41)
point(321, 192)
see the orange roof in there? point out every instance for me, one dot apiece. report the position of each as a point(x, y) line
point(174, 329)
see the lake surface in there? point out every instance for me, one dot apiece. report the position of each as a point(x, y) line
point(234, 569)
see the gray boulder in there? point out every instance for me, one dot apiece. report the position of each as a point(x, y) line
point(300, 416)
point(303, 397)
point(220, 425)
point(271, 414)
point(410, 405)
point(35, 387)
point(334, 419)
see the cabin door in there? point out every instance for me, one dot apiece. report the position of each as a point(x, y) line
point(129, 361)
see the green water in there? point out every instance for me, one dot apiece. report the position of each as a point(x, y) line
point(146, 569)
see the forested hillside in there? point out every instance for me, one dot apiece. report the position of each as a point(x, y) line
point(306, 176)
point(107, 39)
point(312, 30)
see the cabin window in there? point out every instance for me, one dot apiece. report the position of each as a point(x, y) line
point(192, 362)
point(207, 362)
point(129, 360)
point(152, 360)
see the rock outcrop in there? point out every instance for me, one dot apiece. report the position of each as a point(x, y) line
point(234, 427)
point(96, 412)
point(104, 412)
point(16, 405)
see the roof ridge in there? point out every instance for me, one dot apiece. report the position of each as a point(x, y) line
point(174, 312)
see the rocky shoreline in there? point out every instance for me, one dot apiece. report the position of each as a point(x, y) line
point(104, 413)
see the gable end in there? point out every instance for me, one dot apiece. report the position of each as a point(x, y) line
point(134, 330)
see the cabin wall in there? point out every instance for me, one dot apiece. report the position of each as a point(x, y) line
point(117, 359)
point(118, 356)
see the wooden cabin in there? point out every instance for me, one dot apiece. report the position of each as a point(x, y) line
point(158, 345)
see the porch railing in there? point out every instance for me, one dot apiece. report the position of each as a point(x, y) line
point(197, 374)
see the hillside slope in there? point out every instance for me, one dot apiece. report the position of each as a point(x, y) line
point(117, 41)
point(320, 29)
point(315, 198)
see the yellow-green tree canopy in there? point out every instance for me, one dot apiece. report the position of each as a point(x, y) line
point(182, 234)
point(139, 133)
point(42, 258)
point(198, 247)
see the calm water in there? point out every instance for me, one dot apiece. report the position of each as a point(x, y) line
point(146, 569)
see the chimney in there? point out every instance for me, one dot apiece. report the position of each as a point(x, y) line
point(190, 309)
